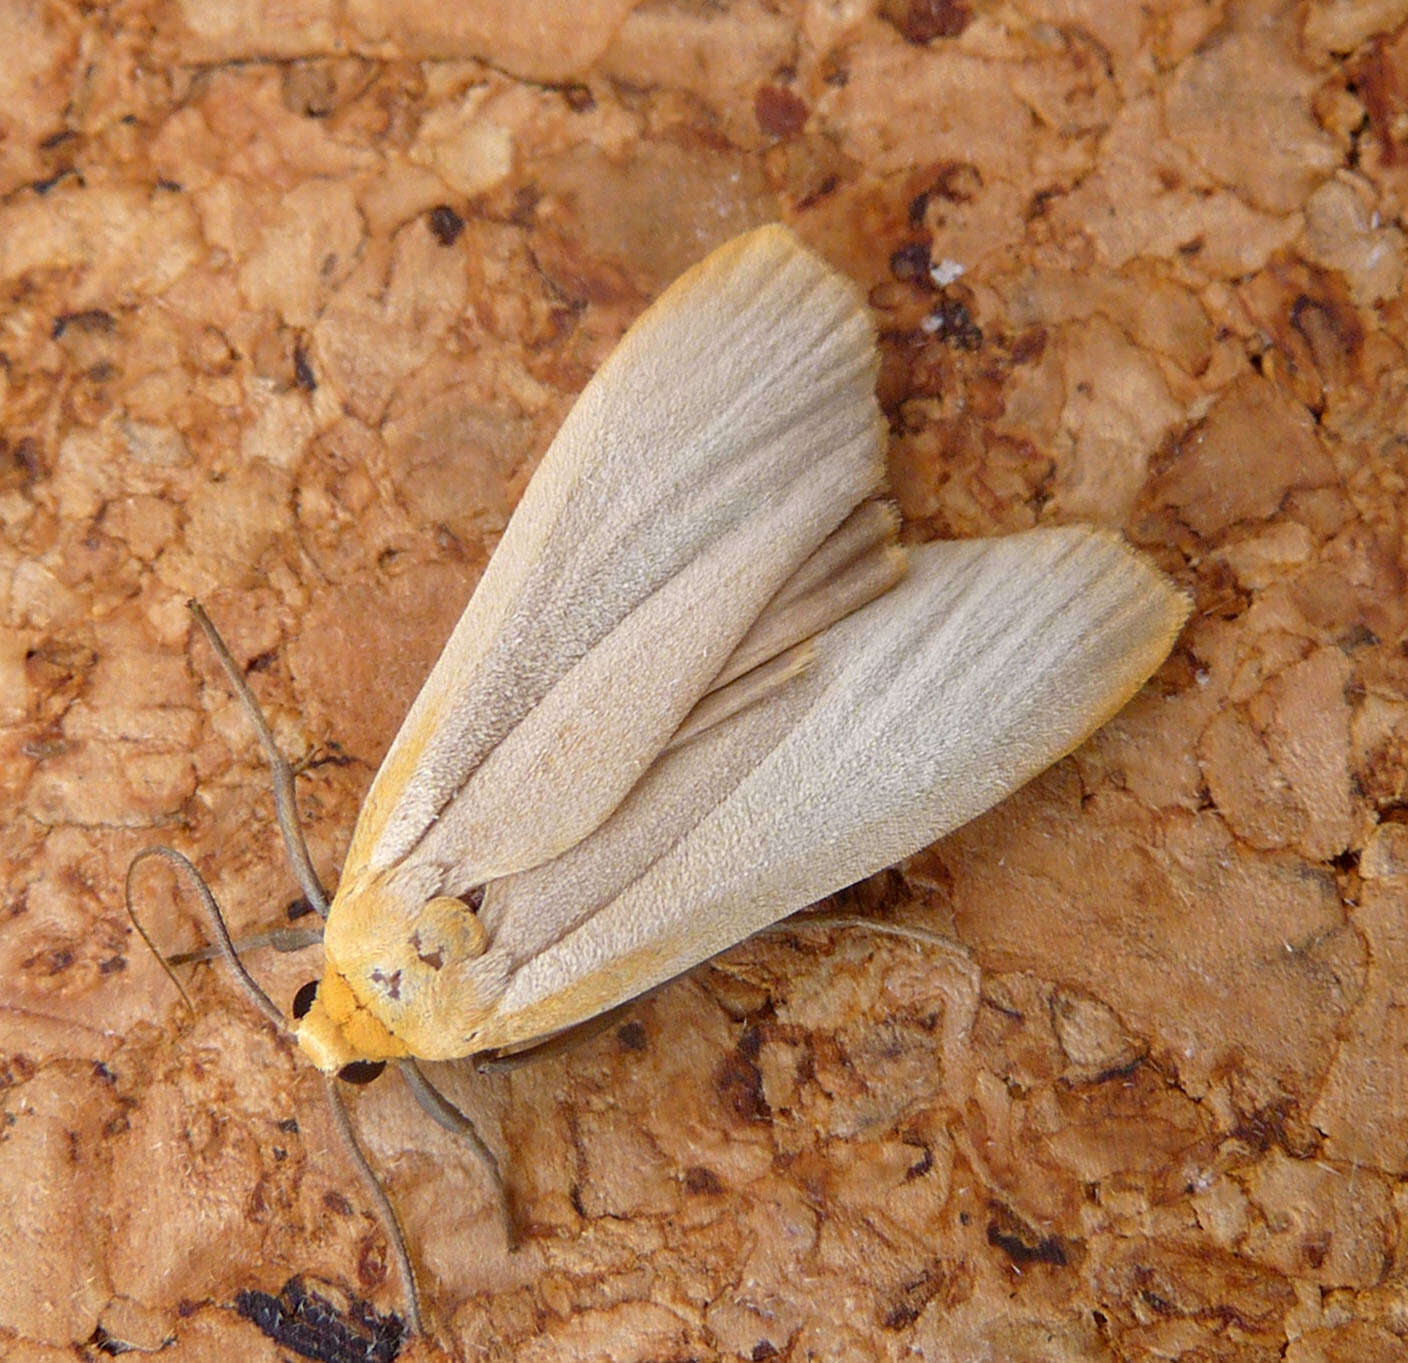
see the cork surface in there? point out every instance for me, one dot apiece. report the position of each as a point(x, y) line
point(294, 297)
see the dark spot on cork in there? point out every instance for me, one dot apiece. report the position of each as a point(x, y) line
point(779, 112)
point(958, 182)
point(51, 961)
point(310, 88)
point(1029, 346)
point(826, 185)
point(336, 1203)
point(911, 263)
point(445, 224)
point(950, 321)
point(1315, 1249)
point(105, 1343)
point(1346, 862)
point(95, 321)
point(579, 98)
point(1325, 326)
point(899, 1317)
point(20, 463)
point(805, 1068)
point(371, 1263)
point(939, 1279)
point(1120, 1072)
point(954, 182)
point(698, 1179)
point(1039, 203)
point(303, 374)
point(921, 21)
point(740, 1082)
point(630, 1036)
point(42, 187)
point(525, 205)
point(1373, 77)
point(1262, 1129)
point(1022, 1244)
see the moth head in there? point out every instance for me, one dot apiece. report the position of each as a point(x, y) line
point(338, 1034)
point(351, 1072)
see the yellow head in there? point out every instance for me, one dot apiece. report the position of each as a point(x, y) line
point(335, 1029)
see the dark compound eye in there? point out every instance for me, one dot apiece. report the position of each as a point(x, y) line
point(361, 1071)
point(303, 1000)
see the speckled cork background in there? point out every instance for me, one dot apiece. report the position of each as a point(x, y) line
point(295, 295)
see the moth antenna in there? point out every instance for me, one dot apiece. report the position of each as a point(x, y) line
point(142, 932)
point(285, 802)
point(224, 946)
point(390, 1220)
point(438, 1107)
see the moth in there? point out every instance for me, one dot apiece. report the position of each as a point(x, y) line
point(701, 686)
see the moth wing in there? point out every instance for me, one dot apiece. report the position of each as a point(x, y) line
point(730, 433)
point(991, 660)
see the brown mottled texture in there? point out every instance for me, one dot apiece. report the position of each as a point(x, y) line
point(295, 295)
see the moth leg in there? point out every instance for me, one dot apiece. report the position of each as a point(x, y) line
point(961, 982)
point(557, 1043)
point(390, 1220)
point(281, 939)
point(950, 946)
point(435, 1105)
point(285, 801)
